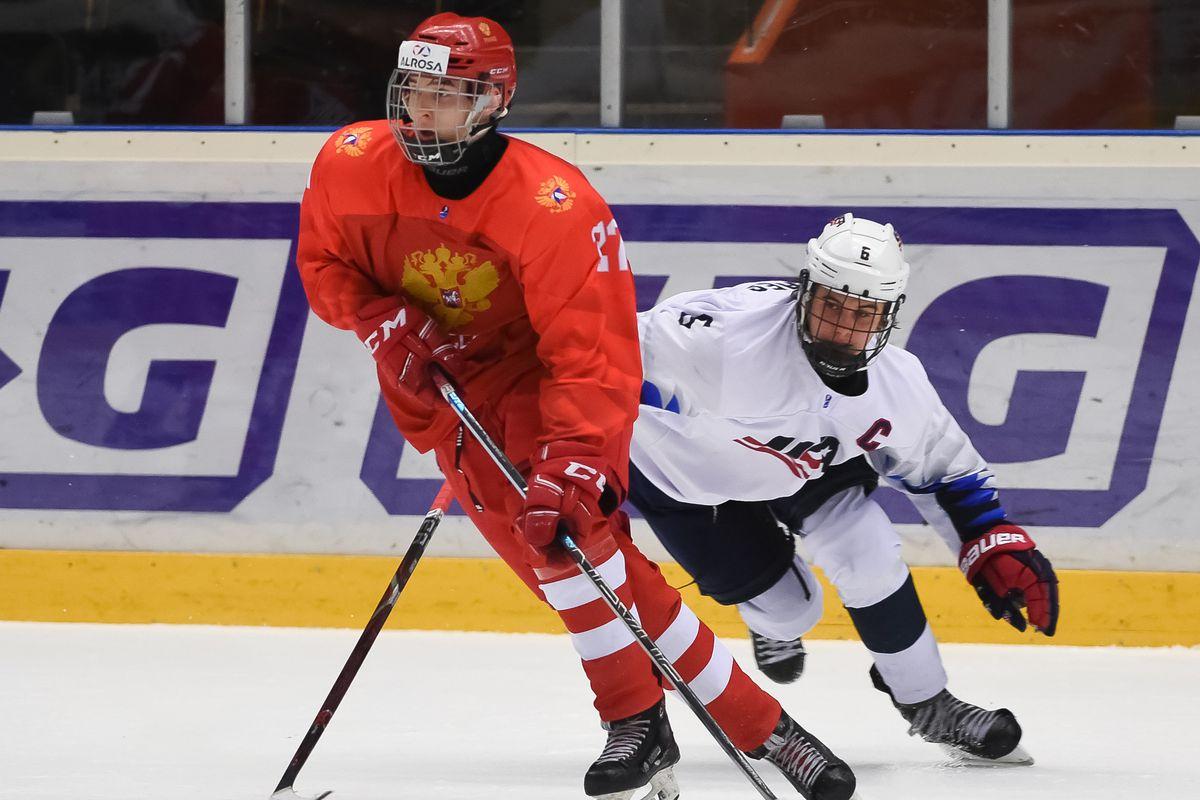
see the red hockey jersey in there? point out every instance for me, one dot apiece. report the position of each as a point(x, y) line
point(529, 269)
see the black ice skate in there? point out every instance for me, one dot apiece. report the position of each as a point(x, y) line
point(782, 662)
point(639, 753)
point(815, 772)
point(965, 731)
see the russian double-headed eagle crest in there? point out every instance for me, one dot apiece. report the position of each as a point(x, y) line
point(353, 142)
point(454, 287)
point(555, 194)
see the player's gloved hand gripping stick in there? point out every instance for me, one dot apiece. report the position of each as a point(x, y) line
point(405, 342)
point(450, 394)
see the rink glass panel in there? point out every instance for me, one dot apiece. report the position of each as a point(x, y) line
point(320, 62)
point(886, 64)
point(123, 62)
point(903, 64)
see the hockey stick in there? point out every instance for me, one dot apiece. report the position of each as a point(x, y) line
point(284, 790)
point(610, 597)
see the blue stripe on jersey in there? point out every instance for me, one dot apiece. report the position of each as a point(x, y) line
point(968, 482)
point(972, 505)
point(981, 522)
point(965, 484)
point(977, 497)
point(652, 396)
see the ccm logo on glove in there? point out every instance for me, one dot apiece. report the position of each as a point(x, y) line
point(566, 484)
point(373, 341)
point(586, 474)
point(405, 341)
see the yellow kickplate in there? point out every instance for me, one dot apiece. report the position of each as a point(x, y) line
point(480, 594)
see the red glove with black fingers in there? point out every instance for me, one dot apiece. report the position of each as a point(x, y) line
point(404, 341)
point(567, 487)
point(1009, 573)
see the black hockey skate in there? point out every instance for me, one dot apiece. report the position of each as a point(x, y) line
point(963, 730)
point(640, 752)
point(815, 772)
point(782, 662)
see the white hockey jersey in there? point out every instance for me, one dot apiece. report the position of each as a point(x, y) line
point(732, 410)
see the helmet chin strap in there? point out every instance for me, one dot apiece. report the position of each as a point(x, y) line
point(834, 361)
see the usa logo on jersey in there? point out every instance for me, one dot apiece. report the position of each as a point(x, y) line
point(806, 460)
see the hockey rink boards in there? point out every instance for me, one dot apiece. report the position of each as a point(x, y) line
point(209, 421)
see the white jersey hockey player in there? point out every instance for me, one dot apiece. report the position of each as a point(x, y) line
point(774, 408)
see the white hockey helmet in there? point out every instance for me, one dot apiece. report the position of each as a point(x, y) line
point(860, 265)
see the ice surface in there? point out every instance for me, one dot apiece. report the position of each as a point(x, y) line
point(129, 712)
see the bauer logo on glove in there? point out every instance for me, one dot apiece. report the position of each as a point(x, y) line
point(985, 544)
point(1009, 573)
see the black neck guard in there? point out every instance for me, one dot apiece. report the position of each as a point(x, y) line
point(851, 385)
point(456, 181)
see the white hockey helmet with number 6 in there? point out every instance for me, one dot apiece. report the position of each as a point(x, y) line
point(859, 257)
point(856, 273)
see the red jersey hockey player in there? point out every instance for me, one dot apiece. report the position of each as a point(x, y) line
point(440, 242)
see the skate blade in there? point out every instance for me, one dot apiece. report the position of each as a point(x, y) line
point(1019, 757)
point(663, 786)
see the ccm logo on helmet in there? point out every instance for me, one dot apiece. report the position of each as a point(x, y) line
point(373, 341)
point(990, 542)
point(424, 57)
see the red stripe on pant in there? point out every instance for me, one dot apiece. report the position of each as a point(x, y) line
point(626, 682)
point(744, 711)
point(595, 613)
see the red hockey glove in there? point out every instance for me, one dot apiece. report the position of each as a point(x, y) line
point(405, 341)
point(1009, 574)
point(565, 488)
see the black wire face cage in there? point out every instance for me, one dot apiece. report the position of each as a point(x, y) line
point(410, 91)
point(845, 331)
